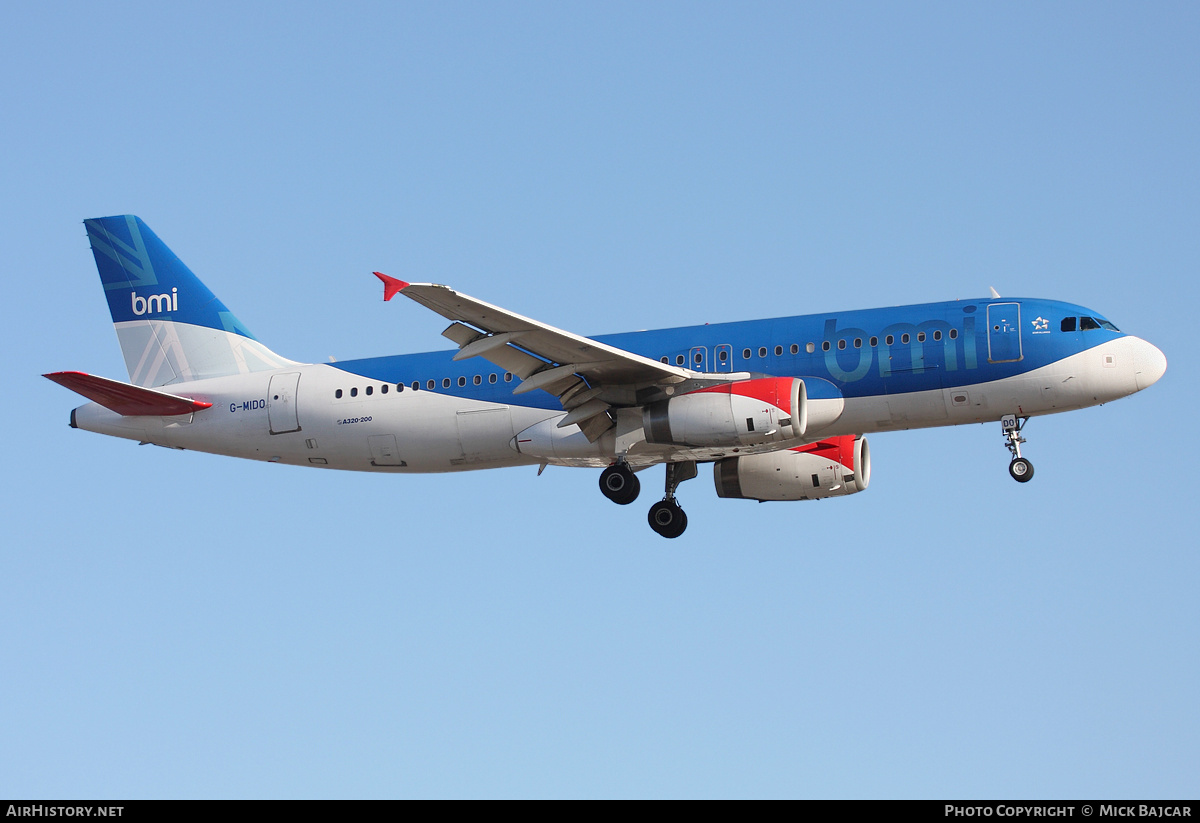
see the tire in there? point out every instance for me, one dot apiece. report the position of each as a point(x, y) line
point(620, 485)
point(667, 518)
point(1021, 470)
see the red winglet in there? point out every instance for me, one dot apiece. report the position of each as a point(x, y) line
point(125, 399)
point(390, 285)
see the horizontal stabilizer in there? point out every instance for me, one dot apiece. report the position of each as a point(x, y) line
point(126, 399)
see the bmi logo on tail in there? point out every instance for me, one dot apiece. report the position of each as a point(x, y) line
point(155, 303)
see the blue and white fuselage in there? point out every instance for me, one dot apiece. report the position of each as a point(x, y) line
point(753, 397)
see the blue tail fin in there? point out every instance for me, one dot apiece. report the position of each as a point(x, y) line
point(171, 327)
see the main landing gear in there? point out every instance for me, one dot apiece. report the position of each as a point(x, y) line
point(620, 484)
point(1020, 468)
point(666, 516)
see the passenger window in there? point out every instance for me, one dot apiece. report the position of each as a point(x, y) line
point(904, 337)
point(841, 344)
point(699, 358)
point(445, 382)
point(370, 390)
point(383, 389)
point(338, 394)
point(795, 349)
point(663, 359)
point(1087, 324)
point(937, 335)
point(858, 342)
point(354, 392)
point(492, 378)
point(1068, 324)
point(430, 385)
point(874, 342)
point(723, 355)
point(954, 334)
point(477, 380)
point(810, 348)
point(920, 337)
point(825, 346)
point(462, 381)
point(679, 358)
point(508, 377)
point(745, 354)
point(889, 340)
point(416, 385)
point(762, 351)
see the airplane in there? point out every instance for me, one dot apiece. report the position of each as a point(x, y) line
point(779, 407)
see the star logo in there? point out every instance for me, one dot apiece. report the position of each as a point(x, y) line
point(1041, 324)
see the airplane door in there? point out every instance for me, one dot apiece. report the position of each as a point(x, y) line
point(698, 358)
point(724, 354)
point(1004, 332)
point(281, 403)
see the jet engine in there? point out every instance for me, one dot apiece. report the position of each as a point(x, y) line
point(828, 468)
point(741, 413)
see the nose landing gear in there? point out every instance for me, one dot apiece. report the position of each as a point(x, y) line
point(1020, 469)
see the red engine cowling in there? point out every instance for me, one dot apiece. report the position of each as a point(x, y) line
point(741, 413)
point(828, 468)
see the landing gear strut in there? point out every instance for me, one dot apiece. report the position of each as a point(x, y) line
point(666, 517)
point(1020, 468)
point(619, 483)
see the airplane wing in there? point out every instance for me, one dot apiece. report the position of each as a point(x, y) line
point(587, 376)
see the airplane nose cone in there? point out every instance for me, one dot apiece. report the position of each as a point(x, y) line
point(1149, 363)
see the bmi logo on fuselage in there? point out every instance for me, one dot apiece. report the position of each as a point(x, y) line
point(155, 303)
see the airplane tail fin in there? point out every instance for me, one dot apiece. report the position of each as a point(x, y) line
point(171, 327)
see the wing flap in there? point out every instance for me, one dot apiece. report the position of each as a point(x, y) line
point(126, 399)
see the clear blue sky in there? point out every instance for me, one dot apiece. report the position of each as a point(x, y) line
point(181, 625)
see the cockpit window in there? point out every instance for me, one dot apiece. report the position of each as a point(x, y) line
point(1088, 324)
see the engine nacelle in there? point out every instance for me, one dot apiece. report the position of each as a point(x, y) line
point(740, 413)
point(828, 468)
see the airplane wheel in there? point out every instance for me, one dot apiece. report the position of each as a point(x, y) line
point(1021, 470)
point(667, 518)
point(620, 485)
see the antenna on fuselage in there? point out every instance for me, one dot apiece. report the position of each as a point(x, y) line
point(995, 294)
